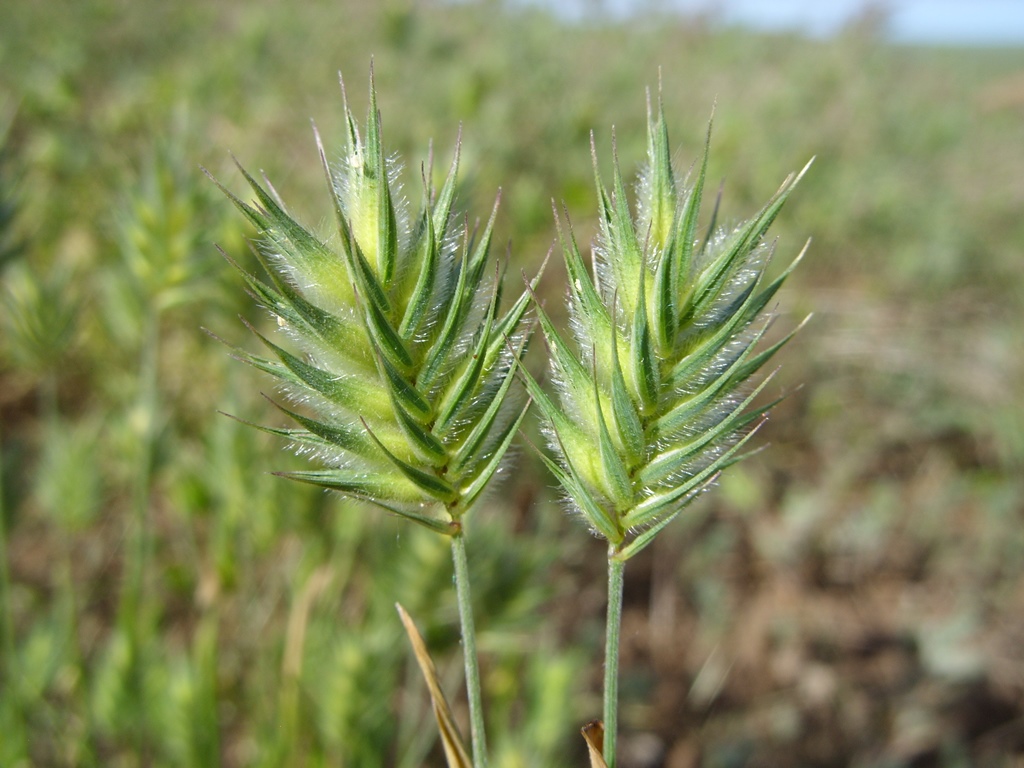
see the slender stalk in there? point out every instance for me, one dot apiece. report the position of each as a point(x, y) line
point(205, 736)
point(5, 582)
point(476, 710)
point(611, 656)
point(49, 408)
point(147, 406)
point(133, 609)
point(9, 664)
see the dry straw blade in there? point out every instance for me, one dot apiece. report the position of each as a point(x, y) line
point(454, 750)
point(593, 734)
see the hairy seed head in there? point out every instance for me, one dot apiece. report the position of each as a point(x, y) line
point(659, 394)
point(396, 357)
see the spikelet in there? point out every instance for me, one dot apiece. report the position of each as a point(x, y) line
point(397, 353)
point(660, 393)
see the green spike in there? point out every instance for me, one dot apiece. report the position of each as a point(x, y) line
point(428, 482)
point(593, 509)
point(386, 337)
point(651, 508)
point(584, 293)
point(737, 247)
point(308, 319)
point(378, 486)
point(337, 435)
point(387, 228)
point(462, 388)
point(437, 356)
point(473, 442)
point(425, 445)
point(443, 206)
point(307, 253)
point(472, 491)
point(615, 475)
point(577, 379)
point(347, 391)
point(687, 228)
point(627, 420)
point(387, 312)
point(688, 407)
point(481, 248)
point(646, 536)
point(669, 462)
point(662, 203)
point(643, 358)
point(625, 256)
point(419, 302)
point(400, 387)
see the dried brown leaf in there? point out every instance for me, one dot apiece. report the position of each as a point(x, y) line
point(593, 734)
point(454, 750)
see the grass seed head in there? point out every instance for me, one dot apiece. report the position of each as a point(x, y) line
point(397, 354)
point(658, 395)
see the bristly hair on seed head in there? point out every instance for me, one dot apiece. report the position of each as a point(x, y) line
point(398, 362)
point(660, 392)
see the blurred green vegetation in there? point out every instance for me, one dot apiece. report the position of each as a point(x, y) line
point(851, 597)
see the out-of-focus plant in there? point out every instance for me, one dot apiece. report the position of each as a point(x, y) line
point(41, 301)
point(9, 243)
point(11, 716)
point(40, 320)
point(163, 228)
point(661, 394)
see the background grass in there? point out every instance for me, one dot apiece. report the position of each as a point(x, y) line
point(850, 597)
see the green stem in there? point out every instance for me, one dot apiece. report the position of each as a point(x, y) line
point(133, 607)
point(147, 406)
point(476, 710)
point(9, 664)
point(49, 409)
point(205, 737)
point(611, 656)
point(5, 582)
